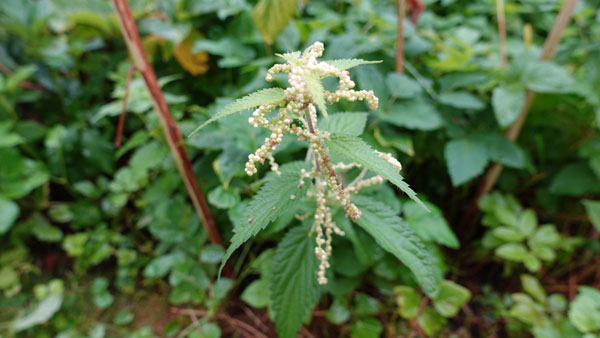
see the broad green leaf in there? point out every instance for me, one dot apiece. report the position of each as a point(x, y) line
point(547, 77)
point(315, 88)
point(533, 287)
point(222, 198)
point(501, 150)
point(461, 100)
point(366, 328)
point(593, 211)
point(466, 159)
point(584, 312)
point(272, 199)
point(40, 314)
point(408, 300)
point(451, 298)
point(257, 294)
point(338, 313)
point(345, 123)
point(508, 234)
point(271, 17)
point(430, 226)
point(260, 97)
point(507, 103)
point(575, 179)
point(396, 237)
point(294, 288)
point(211, 254)
point(545, 235)
point(414, 114)
point(364, 305)
point(9, 212)
point(431, 322)
point(356, 150)
point(344, 64)
point(402, 86)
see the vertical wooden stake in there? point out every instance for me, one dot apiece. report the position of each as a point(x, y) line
point(501, 32)
point(168, 124)
point(400, 37)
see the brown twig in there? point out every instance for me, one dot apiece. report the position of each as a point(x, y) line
point(550, 45)
point(236, 323)
point(168, 124)
point(501, 31)
point(400, 37)
point(124, 107)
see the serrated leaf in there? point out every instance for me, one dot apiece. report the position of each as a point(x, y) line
point(413, 114)
point(344, 64)
point(316, 90)
point(356, 150)
point(290, 57)
point(294, 287)
point(395, 236)
point(466, 159)
point(259, 97)
point(271, 16)
point(272, 199)
point(345, 123)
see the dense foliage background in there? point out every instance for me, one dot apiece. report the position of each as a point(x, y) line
point(101, 241)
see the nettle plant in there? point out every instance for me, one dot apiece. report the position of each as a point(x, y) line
point(335, 154)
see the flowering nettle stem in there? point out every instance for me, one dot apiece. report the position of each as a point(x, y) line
point(297, 115)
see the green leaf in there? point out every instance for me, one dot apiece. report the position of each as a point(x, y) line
point(222, 198)
point(260, 97)
point(466, 159)
point(431, 322)
point(461, 100)
point(10, 212)
point(408, 300)
point(272, 200)
point(512, 251)
point(396, 237)
point(451, 298)
point(430, 226)
point(344, 64)
point(271, 17)
point(42, 313)
point(414, 114)
point(593, 211)
point(338, 313)
point(574, 180)
point(345, 123)
point(547, 77)
point(533, 287)
point(402, 86)
point(364, 305)
point(316, 90)
point(356, 150)
point(294, 287)
point(507, 103)
point(366, 328)
point(585, 310)
point(257, 294)
point(211, 254)
point(502, 150)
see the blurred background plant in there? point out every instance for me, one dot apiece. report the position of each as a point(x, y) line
point(101, 241)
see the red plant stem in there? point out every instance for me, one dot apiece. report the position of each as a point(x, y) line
point(400, 37)
point(124, 109)
point(168, 124)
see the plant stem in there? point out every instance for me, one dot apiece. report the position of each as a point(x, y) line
point(493, 173)
point(311, 128)
point(168, 124)
point(400, 37)
point(501, 31)
point(124, 107)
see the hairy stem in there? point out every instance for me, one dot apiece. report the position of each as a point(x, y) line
point(501, 31)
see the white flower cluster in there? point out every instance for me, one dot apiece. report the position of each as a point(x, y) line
point(391, 160)
point(297, 115)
